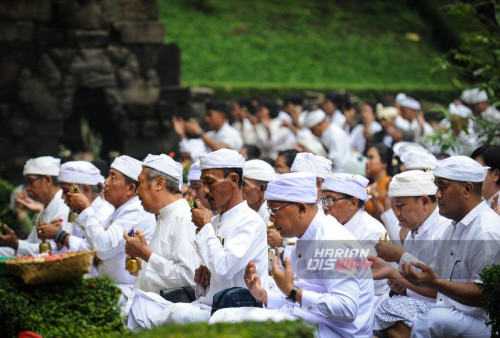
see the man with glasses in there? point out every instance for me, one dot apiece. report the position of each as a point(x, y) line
point(226, 242)
point(469, 244)
point(43, 186)
point(338, 301)
point(344, 196)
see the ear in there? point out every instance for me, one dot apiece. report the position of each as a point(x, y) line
point(234, 178)
point(353, 203)
point(468, 189)
point(159, 182)
point(262, 188)
point(302, 208)
point(426, 201)
point(496, 176)
point(48, 179)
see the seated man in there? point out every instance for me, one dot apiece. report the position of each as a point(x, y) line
point(415, 205)
point(171, 257)
point(43, 186)
point(107, 238)
point(256, 174)
point(338, 300)
point(225, 242)
point(344, 197)
point(471, 242)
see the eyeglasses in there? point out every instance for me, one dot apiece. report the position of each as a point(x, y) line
point(273, 211)
point(30, 181)
point(329, 201)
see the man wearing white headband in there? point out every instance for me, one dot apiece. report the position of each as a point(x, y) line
point(196, 185)
point(226, 242)
point(415, 205)
point(339, 301)
point(256, 174)
point(411, 111)
point(171, 257)
point(469, 244)
point(344, 196)
point(90, 183)
point(331, 136)
point(43, 186)
point(317, 165)
point(107, 237)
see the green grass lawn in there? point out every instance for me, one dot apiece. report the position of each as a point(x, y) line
point(315, 44)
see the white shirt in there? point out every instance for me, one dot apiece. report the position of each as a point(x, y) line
point(56, 209)
point(422, 245)
point(108, 239)
point(264, 214)
point(357, 138)
point(247, 131)
point(102, 209)
point(227, 245)
point(228, 135)
point(336, 142)
point(337, 118)
point(339, 301)
point(174, 256)
point(368, 231)
point(282, 138)
point(391, 223)
point(468, 246)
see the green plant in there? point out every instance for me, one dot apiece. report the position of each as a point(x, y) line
point(490, 276)
point(85, 307)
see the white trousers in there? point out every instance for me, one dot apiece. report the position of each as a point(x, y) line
point(447, 322)
point(242, 314)
point(6, 251)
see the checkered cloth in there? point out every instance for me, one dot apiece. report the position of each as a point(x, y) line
point(399, 309)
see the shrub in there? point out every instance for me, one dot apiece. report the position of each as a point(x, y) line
point(490, 276)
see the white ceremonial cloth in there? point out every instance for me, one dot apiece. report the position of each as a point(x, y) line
point(227, 134)
point(340, 306)
point(336, 142)
point(56, 209)
point(108, 239)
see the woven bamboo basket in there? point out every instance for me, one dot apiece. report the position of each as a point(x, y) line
point(70, 265)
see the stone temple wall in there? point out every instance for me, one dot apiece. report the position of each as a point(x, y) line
point(98, 63)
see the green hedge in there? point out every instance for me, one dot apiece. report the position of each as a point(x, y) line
point(236, 330)
point(490, 276)
point(86, 307)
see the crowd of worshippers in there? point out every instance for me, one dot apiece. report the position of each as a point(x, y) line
point(393, 247)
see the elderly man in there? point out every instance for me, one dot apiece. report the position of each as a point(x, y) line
point(43, 186)
point(415, 205)
point(171, 257)
point(119, 190)
point(333, 138)
point(344, 197)
point(339, 301)
point(225, 242)
point(317, 165)
point(256, 174)
point(221, 135)
point(89, 181)
point(471, 242)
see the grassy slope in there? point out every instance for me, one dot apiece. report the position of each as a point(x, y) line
point(314, 44)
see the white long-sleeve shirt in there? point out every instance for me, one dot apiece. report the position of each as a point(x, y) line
point(108, 239)
point(357, 139)
point(339, 301)
point(174, 256)
point(56, 209)
point(367, 230)
point(336, 142)
point(227, 245)
point(227, 134)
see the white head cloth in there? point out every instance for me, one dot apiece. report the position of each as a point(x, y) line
point(402, 147)
point(292, 187)
point(307, 162)
point(412, 183)
point(80, 172)
point(128, 166)
point(473, 96)
point(222, 158)
point(164, 164)
point(400, 97)
point(44, 165)
point(460, 168)
point(194, 172)
point(410, 102)
point(313, 118)
point(348, 184)
point(194, 147)
point(459, 110)
point(258, 170)
point(386, 112)
point(417, 159)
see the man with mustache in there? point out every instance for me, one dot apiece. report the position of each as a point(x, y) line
point(226, 242)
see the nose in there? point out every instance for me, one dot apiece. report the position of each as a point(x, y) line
point(205, 189)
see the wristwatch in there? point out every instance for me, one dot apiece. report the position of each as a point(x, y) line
point(293, 294)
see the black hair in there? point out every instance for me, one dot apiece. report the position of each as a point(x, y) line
point(129, 180)
point(103, 166)
point(432, 198)
point(55, 181)
point(238, 171)
point(342, 101)
point(372, 104)
point(289, 156)
point(296, 99)
point(478, 152)
point(253, 152)
point(217, 105)
point(385, 153)
point(247, 103)
point(271, 105)
point(491, 158)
